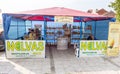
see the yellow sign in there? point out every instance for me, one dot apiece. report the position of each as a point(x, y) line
point(93, 48)
point(113, 39)
point(64, 19)
point(24, 48)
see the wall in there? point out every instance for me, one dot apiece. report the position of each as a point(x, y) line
point(101, 31)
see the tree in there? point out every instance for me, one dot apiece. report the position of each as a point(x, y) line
point(116, 6)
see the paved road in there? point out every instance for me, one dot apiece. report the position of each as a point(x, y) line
point(60, 62)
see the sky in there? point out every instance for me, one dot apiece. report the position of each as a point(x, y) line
point(23, 5)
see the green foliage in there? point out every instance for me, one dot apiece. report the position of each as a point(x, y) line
point(116, 6)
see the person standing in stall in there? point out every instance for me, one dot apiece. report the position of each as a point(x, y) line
point(32, 35)
point(37, 32)
point(67, 33)
point(90, 37)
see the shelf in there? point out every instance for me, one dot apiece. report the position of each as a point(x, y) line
point(75, 33)
point(75, 29)
point(49, 39)
point(75, 36)
point(54, 32)
point(50, 34)
point(54, 28)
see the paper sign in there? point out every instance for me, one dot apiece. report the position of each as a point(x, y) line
point(64, 19)
point(113, 39)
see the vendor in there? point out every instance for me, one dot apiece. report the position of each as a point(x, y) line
point(32, 35)
point(37, 32)
point(29, 31)
point(90, 37)
point(67, 33)
point(26, 37)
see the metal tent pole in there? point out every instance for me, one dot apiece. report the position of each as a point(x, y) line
point(95, 29)
point(31, 23)
point(17, 30)
point(81, 28)
point(45, 24)
point(84, 28)
point(25, 26)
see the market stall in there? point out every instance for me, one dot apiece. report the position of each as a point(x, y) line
point(52, 24)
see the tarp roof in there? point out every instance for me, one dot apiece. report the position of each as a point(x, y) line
point(48, 15)
point(54, 11)
point(57, 11)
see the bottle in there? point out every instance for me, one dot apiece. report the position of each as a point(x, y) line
point(77, 52)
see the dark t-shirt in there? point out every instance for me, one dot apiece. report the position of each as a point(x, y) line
point(89, 38)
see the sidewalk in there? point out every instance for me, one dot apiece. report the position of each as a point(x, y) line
point(60, 62)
